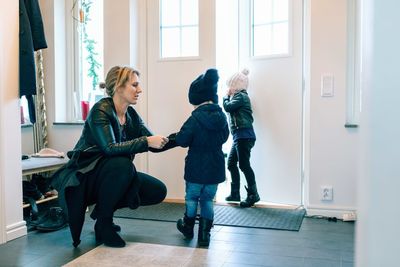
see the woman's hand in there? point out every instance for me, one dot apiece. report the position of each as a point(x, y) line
point(157, 141)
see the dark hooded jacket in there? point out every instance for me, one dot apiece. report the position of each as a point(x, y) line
point(204, 133)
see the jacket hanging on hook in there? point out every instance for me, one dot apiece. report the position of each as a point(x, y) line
point(31, 38)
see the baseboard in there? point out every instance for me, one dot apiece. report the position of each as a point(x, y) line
point(16, 230)
point(334, 211)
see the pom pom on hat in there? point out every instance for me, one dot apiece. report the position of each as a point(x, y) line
point(239, 80)
point(204, 88)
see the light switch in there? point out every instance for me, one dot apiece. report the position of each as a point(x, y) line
point(327, 85)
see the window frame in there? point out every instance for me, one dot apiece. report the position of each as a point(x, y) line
point(69, 96)
point(180, 27)
point(290, 34)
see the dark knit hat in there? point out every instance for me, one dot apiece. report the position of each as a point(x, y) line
point(204, 88)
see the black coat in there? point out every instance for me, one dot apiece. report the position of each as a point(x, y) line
point(204, 133)
point(31, 38)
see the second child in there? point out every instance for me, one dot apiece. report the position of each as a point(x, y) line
point(204, 132)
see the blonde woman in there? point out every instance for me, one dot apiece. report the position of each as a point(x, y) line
point(100, 170)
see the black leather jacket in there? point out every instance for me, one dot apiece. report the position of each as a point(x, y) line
point(101, 134)
point(239, 109)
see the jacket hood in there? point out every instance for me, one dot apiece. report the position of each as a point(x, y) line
point(210, 116)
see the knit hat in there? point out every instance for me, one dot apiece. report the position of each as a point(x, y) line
point(204, 88)
point(239, 80)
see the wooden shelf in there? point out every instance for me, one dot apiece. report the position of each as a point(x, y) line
point(26, 205)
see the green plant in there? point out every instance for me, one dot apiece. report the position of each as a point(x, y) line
point(90, 46)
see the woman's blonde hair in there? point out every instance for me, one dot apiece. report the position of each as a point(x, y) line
point(117, 76)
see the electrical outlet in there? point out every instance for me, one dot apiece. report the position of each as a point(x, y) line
point(326, 193)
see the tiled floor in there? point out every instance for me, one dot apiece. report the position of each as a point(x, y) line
point(319, 243)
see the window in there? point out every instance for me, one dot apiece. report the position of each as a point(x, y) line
point(179, 28)
point(270, 27)
point(88, 56)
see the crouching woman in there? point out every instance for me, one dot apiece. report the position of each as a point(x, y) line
point(100, 170)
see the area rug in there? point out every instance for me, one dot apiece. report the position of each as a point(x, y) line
point(148, 255)
point(268, 218)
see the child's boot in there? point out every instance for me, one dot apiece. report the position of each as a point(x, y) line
point(185, 226)
point(235, 193)
point(205, 226)
point(252, 197)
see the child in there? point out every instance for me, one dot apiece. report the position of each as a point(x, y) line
point(204, 133)
point(237, 104)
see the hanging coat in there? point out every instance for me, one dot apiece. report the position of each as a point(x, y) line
point(31, 38)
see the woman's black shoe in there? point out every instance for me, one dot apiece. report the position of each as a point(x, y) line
point(93, 215)
point(106, 234)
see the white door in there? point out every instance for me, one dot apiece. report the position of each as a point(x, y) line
point(276, 94)
point(169, 80)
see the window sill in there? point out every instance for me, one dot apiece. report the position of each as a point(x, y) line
point(69, 123)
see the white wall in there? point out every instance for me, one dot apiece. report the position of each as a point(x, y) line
point(12, 224)
point(330, 148)
point(378, 232)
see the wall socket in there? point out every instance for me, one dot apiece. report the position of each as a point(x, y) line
point(326, 193)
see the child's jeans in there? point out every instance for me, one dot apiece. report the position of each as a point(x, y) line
point(203, 193)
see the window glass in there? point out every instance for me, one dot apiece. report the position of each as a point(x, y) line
point(190, 42)
point(262, 11)
point(190, 14)
point(280, 38)
point(171, 42)
point(170, 12)
point(90, 43)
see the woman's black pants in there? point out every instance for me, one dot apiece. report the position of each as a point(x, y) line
point(115, 184)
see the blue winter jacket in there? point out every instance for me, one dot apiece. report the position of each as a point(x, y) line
point(204, 133)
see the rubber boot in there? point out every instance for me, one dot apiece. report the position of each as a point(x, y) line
point(235, 193)
point(185, 226)
point(93, 215)
point(106, 234)
point(205, 226)
point(252, 197)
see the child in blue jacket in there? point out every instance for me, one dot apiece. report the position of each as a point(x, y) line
point(204, 132)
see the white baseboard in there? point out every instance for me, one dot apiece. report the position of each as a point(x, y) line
point(16, 230)
point(334, 211)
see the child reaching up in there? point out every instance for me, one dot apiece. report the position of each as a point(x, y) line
point(204, 132)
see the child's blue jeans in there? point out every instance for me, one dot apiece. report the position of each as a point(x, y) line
point(203, 193)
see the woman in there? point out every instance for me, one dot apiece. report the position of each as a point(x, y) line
point(100, 170)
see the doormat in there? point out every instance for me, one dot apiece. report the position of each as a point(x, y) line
point(266, 218)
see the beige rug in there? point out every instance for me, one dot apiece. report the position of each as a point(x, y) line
point(143, 254)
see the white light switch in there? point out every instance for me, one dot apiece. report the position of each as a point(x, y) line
point(327, 85)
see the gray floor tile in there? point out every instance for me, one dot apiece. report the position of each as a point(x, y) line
point(318, 243)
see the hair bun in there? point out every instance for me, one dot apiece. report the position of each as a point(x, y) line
point(245, 71)
point(102, 85)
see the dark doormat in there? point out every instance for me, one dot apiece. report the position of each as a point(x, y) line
point(268, 218)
